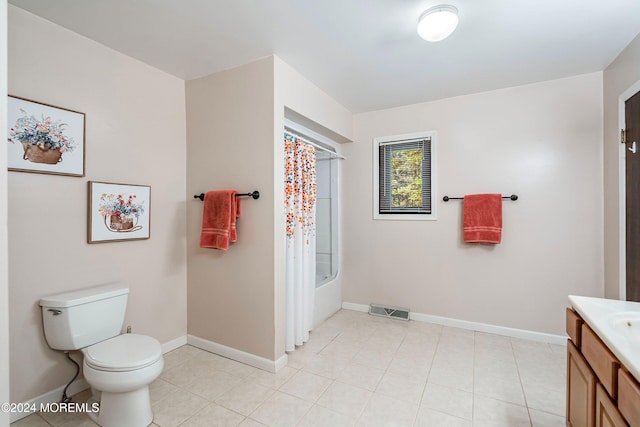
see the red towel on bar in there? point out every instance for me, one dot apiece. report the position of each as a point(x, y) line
point(482, 218)
point(219, 213)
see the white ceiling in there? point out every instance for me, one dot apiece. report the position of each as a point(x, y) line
point(366, 54)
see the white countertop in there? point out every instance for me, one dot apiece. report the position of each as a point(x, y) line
point(609, 319)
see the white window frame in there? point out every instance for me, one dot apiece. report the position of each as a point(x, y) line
point(434, 175)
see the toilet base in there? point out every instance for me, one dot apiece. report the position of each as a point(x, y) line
point(130, 409)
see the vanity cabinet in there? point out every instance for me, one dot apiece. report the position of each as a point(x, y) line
point(600, 391)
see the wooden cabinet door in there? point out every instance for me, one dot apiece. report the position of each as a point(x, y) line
point(581, 390)
point(629, 398)
point(607, 415)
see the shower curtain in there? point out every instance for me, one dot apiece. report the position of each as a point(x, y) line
point(300, 217)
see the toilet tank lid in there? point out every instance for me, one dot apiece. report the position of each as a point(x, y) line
point(83, 296)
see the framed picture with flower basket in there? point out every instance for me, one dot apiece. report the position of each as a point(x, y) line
point(118, 212)
point(44, 138)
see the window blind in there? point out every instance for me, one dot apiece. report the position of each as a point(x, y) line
point(405, 177)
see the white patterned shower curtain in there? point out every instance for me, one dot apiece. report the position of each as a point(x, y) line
point(300, 216)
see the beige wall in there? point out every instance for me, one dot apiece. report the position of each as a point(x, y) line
point(541, 141)
point(4, 277)
point(230, 146)
point(135, 133)
point(621, 74)
point(235, 121)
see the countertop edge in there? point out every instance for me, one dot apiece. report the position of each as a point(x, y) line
point(594, 312)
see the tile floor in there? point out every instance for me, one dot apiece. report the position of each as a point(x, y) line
point(363, 370)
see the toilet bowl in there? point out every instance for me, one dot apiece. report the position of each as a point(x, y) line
point(121, 369)
point(118, 367)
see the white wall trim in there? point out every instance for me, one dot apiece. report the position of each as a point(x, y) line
point(52, 396)
point(622, 194)
point(473, 326)
point(239, 355)
point(173, 344)
point(355, 307)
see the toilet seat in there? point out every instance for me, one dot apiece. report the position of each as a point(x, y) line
point(126, 352)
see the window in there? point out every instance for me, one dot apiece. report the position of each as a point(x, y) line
point(404, 177)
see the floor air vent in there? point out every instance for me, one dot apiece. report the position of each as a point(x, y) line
point(389, 311)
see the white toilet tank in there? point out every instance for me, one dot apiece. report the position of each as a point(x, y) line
point(78, 319)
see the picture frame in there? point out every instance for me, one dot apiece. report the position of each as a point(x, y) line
point(118, 212)
point(44, 138)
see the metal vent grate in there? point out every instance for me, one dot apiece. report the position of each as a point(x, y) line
point(389, 311)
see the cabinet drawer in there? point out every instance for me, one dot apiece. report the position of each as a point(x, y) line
point(629, 397)
point(607, 415)
point(574, 323)
point(602, 361)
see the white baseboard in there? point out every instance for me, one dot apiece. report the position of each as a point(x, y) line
point(173, 344)
point(238, 355)
point(52, 396)
point(473, 326)
point(355, 307)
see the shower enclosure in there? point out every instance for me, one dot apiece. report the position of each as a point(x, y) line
point(326, 217)
point(328, 287)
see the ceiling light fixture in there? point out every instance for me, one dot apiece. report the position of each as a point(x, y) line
point(437, 23)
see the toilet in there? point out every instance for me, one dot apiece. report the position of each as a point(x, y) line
point(118, 367)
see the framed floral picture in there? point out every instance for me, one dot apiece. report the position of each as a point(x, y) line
point(118, 212)
point(44, 138)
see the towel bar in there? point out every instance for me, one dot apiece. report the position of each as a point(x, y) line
point(447, 198)
point(255, 195)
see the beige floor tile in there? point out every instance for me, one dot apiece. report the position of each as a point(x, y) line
point(271, 380)
point(384, 411)
point(432, 418)
point(281, 409)
point(544, 419)
point(33, 420)
point(319, 416)
point(236, 368)
point(342, 349)
point(328, 367)
point(378, 358)
point(402, 387)
point(214, 416)
point(159, 389)
point(413, 366)
point(361, 376)
point(176, 408)
point(498, 388)
point(245, 397)
point(189, 371)
point(488, 412)
point(80, 422)
point(457, 403)
point(546, 398)
point(214, 385)
point(248, 422)
point(452, 377)
point(59, 418)
point(348, 358)
point(306, 385)
point(345, 399)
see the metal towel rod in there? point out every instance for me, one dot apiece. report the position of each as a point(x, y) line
point(255, 195)
point(447, 198)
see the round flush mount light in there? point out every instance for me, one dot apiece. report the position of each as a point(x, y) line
point(437, 23)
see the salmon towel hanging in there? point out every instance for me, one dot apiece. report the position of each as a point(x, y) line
point(482, 218)
point(219, 214)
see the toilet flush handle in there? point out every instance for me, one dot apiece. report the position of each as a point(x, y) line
point(55, 312)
